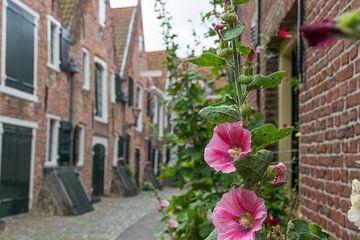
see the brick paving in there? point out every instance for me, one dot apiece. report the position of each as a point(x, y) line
point(111, 218)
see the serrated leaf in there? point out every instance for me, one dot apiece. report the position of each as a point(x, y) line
point(207, 59)
point(238, 2)
point(268, 134)
point(252, 167)
point(258, 121)
point(233, 33)
point(221, 114)
point(269, 81)
point(243, 50)
point(298, 229)
point(212, 236)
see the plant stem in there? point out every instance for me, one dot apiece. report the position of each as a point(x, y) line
point(236, 74)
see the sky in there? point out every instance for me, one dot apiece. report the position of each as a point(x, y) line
point(181, 11)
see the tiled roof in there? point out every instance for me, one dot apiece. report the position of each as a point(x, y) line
point(121, 23)
point(68, 9)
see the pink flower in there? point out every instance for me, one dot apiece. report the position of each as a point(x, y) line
point(227, 3)
point(238, 215)
point(251, 57)
point(218, 27)
point(229, 142)
point(164, 203)
point(172, 224)
point(285, 125)
point(285, 34)
point(320, 34)
point(281, 174)
point(272, 221)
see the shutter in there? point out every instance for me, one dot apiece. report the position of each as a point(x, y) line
point(131, 91)
point(64, 49)
point(149, 150)
point(148, 104)
point(118, 87)
point(76, 145)
point(121, 147)
point(64, 141)
point(20, 42)
point(98, 89)
point(127, 149)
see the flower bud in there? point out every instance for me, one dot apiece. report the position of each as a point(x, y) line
point(225, 52)
point(230, 17)
point(244, 79)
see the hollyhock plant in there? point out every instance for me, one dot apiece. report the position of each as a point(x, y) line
point(172, 224)
point(229, 142)
point(320, 34)
point(285, 34)
point(239, 215)
point(281, 174)
point(164, 203)
point(354, 212)
point(272, 221)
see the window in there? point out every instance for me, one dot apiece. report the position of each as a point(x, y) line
point(102, 13)
point(131, 91)
point(113, 88)
point(156, 109)
point(52, 141)
point(139, 105)
point(20, 49)
point(79, 145)
point(161, 122)
point(53, 43)
point(100, 91)
point(86, 69)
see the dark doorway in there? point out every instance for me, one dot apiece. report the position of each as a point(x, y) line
point(98, 170)
point(137, 166)
point(15, 170)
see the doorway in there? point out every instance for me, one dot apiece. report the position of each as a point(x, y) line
point(98, 173)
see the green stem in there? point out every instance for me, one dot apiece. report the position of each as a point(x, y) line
point(236, 74)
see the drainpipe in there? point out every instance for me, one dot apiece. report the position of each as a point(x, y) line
point(258, 42)
point(300, 43)
point(73, 69)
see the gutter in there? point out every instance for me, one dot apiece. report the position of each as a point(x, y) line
point(300, 43)
point(258, 43)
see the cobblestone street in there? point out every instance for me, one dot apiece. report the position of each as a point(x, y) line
point(112, 219)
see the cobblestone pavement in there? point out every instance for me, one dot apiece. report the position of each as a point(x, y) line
point(111, 218)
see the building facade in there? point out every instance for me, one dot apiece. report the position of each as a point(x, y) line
point(320, 97)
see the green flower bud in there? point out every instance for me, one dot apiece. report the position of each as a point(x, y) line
point(270, 174)
point(226, 52)
point(244, 79)
point(230, 17)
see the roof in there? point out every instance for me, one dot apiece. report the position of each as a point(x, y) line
point(68, 9)
point(122, 21)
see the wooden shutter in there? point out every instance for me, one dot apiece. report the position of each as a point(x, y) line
point(127, 149)
point(20, 52)
point(98, 89)
point(64, 141)
point(131, 91)
point(148, 104)
point(118, 87)
point(149, 150)
point(121, 147)
point(64, 49)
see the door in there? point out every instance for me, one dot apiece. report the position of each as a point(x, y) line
point(98, 170)
point(15, 170)
point(137, 166)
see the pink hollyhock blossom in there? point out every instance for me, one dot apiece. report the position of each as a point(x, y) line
point(272, 221)
point(281, 174)
point(218, 27)
point(251, 57)
point(172, 224)
point(227, 3)
point(285, 34)
point(164, 203)
point(320, 34)
point(285, 125)
point(229, 142)
point(238, 215)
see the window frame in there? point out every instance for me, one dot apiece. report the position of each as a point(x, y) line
point(102, 12)
point(113, 87)
point(104, 117)
point(52, 21)
point(86, 69)
point(10, 90)
point(139, 105)
point(52, 161)
point(81, 150)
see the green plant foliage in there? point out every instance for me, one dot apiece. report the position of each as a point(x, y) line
point(252, 167)
point(221, 114)
point(238, 2)
point(243, 50)
point(233, 33)
point(270, 81)
point(212, 236)
point(298, 229)
point(268, 134)
point(207, 59)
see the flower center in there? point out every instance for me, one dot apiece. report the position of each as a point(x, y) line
point(235, 152)
point(246, 221)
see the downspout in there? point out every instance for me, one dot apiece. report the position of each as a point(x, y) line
point(73, 69)
point(258, 43)
point(300, 43)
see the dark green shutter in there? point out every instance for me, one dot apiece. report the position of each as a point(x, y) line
point(98, 89)
point(148, 104)
point(149, 150)
point(20, 41)
point(64, 141)
point(131, 91)
point(118, 87)
point(64, 49)
point(121, 147)
point(127, 148)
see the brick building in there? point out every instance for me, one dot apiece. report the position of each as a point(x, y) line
point(325, 108)
point(72, 96)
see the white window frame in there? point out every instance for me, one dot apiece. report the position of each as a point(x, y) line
point(104, 117)
point(113, 87)
point(86, 69)
point(102, 13)
point(116, 150)
point(156, 109)
point(52, 161)
point(81, 150)
point(139, 105)
point(161, 121)
point(34, 126)
point(56, 65)
point(9, 90)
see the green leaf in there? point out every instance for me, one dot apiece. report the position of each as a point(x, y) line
point(258, 121)
point(298, 229)
point(243, 50)
point(268, 134)
point(233, 33)
point(269, 81)
point(212, 236)
point(207, 59)
point(221, 114)
point(252, 167)
point(238, 2)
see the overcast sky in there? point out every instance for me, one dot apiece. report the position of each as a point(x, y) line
point(181, 11)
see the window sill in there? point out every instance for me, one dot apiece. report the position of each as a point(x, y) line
point(101, 119)
point(50, 165)
point(53, 67)
point(19, 94)
point(86, 88)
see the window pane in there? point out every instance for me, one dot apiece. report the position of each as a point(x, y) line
point(51, 139)
point(98, 90)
